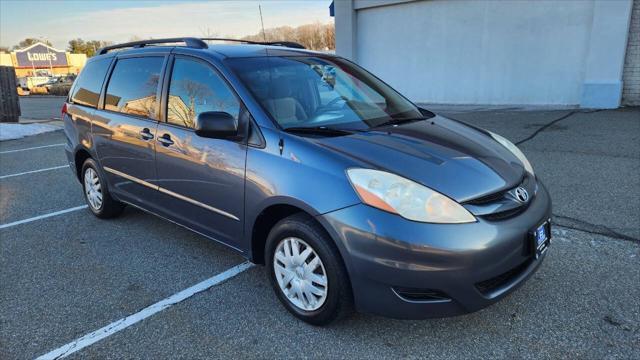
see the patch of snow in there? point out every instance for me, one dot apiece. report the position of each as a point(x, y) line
point(17, 131)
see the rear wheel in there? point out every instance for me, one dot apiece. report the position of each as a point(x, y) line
point(306, 271)
point(96, 192)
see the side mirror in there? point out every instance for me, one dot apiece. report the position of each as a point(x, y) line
point(216, 124)
point(426, 113)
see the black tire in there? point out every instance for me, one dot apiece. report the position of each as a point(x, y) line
point(109, 207)
point(339, 298)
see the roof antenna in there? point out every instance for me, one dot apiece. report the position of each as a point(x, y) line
point(264, 36)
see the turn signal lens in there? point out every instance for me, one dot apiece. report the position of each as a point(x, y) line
point(395, 194)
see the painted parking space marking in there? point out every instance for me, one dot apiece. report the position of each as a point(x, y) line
point(118, 325)
point(34, 171)
point(30, 148)
point(44, 216)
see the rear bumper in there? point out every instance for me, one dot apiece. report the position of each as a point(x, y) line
point(465, 267)
point(71, 160)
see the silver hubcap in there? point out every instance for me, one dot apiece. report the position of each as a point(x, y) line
point(300, 274)
point(92, 188)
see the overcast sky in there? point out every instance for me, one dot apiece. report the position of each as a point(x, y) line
point(118, 21)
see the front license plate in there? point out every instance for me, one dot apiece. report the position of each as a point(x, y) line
point(541, 236)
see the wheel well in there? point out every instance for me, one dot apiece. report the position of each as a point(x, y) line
point(81, 156)
point(263, 224)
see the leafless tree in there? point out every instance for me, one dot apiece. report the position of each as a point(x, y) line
point(196, 93)
point(316, 36)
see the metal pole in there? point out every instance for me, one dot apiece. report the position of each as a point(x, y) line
point(50, 65)
point(264, 36)
point(48, 57)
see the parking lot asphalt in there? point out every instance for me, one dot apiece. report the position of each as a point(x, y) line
point(64, 276)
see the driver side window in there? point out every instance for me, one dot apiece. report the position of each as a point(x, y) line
point(195, 87)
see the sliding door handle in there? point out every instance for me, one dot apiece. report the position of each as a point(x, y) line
point(165, 140)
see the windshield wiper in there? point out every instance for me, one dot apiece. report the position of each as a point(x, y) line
point(398, 121)
point(323, 130)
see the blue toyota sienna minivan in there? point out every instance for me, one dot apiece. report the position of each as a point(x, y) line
point(350, 195)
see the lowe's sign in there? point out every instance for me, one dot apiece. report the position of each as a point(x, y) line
point(41, 56)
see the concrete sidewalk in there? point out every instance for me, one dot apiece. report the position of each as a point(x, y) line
point(589, 161)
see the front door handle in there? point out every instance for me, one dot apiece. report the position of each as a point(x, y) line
point(165, 140)
point(146, 134)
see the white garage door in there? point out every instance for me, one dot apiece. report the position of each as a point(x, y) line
point(473, 52)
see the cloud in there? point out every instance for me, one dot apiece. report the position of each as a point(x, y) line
point(224, 19)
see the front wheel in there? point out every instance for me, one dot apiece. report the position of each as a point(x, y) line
point(306, 271)
point(96, 192)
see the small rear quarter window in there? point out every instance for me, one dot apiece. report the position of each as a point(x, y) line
point(89, 83)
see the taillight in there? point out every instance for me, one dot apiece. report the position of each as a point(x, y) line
point(64, 110)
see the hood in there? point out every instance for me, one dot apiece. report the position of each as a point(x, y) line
point(448, 156)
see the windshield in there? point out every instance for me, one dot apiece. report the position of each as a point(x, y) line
point(313, 91)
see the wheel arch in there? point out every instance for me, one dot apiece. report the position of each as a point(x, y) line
point(80, 156)
point(274, 211)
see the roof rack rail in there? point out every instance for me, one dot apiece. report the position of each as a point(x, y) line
point(189, 41)
point(196, 43)
point(289, 44)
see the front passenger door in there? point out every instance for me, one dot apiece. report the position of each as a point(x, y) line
point(201, 180)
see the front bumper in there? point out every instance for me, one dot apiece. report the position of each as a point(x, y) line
point(465, 267)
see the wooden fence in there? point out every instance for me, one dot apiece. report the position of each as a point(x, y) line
point(9, 102)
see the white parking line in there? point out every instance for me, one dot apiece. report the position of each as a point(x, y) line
point(34, 171)
point(125, 322)
point(31, 148)
point(2, 226)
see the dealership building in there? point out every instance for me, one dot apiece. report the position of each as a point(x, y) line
point(583, 53)
point(40, 59)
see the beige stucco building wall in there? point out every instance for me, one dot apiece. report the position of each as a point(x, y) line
point(5, 59)
point(76, 62)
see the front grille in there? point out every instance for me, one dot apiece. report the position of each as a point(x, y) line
point(411, 294)
point(486, 287)
point(487, 199)
point(504, 214)
point(502, 198)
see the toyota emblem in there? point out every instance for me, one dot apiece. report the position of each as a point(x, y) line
point(522, 194)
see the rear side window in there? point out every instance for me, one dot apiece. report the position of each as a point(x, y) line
point(133, 86)
point(195, 88)
point(87, 89)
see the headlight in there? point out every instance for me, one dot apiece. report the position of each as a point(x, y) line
point(406, 198)
point(514, 150)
